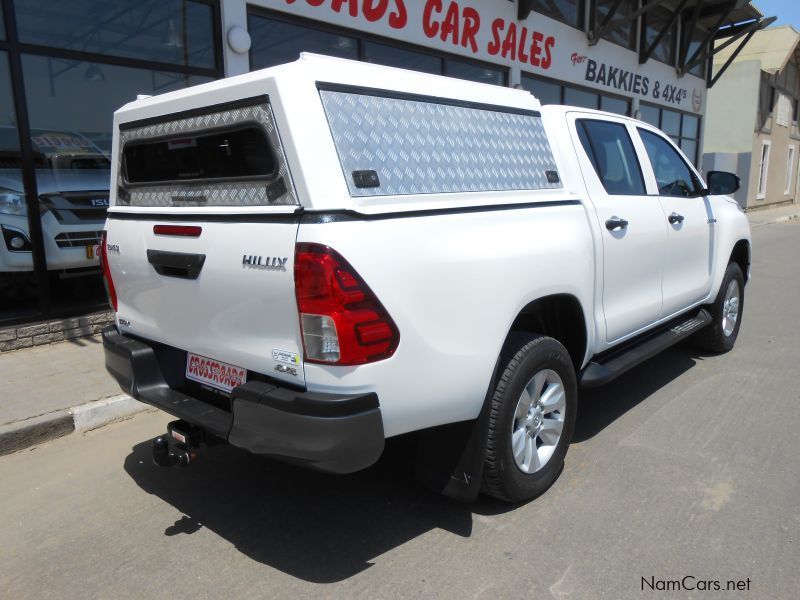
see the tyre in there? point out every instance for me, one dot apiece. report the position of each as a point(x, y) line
point(531, 420)
point(726, 314)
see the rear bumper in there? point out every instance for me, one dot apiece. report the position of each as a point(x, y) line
point(338, 434)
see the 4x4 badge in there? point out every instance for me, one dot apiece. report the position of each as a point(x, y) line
point(272, 263)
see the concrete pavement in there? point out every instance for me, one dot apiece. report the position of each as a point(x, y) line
point(686, 466)
point(50, 391)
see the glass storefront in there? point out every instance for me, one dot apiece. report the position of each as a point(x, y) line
point(277, 41)
point(172, 31)
point(549, 92)
point(111, 52)
point(683, 128)
point(18, 292)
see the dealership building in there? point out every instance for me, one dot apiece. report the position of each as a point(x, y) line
point(65, 66)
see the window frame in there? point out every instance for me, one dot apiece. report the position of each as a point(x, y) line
point(578, 123)
point(697, 181)
point(790, 160)
point(210, 132)
point(763, 169)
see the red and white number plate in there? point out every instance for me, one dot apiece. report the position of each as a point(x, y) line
point(215, 373)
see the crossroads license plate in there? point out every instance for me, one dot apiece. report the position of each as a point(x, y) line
point(214, 373)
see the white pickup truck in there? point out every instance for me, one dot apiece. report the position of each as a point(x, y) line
point(309, 259)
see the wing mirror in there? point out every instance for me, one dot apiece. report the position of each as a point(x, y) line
point(721, 183)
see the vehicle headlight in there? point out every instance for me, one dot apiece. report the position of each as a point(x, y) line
point(12, 203)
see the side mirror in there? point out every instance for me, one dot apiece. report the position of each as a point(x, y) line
point(722, 182)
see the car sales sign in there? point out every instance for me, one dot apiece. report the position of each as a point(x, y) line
point(488, 30)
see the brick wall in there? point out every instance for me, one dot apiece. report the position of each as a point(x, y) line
point(57, 330)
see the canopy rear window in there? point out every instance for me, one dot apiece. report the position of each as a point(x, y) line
point(228, 155)
point(238, 153)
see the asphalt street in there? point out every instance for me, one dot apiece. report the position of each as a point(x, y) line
point(686, 466)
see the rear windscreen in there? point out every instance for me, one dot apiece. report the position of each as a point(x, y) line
point(218, 155)
point(228, 155)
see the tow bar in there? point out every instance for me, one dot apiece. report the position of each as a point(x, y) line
point(178, 447)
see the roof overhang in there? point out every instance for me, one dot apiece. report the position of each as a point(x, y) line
point(734, 20)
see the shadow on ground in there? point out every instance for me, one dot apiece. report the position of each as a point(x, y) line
point(600, 407)
point(325, 528)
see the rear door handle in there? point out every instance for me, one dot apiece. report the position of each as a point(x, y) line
point(176, 264)
point(616, 223)
point(675, 218)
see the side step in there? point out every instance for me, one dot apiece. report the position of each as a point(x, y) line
point(614, 364)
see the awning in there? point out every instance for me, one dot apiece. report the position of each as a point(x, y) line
point(708, 26)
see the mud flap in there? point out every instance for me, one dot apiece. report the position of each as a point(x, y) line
point(450, 458)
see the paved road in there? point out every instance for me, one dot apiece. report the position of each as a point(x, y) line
point(687, 466)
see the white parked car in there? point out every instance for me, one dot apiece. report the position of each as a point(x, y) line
point(309, 259)
point(72, 183)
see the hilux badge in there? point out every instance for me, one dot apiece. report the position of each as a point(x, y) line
point(271, 263)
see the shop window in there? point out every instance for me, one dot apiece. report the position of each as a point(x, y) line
point(277, 42)
point(566, 11)
point(615, 105)
point(180, 32)
point(392, 56)
point(654, 22)
point(473, 72)
point(73, 150)
point(682, 128)
point(625, 35)
point(546, 92)
point(671, 123)
point(549, 92)
point(582, 98)
point(650, 114)
point(18, 292)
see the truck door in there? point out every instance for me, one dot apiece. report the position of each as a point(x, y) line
point(632, 226)
point(690, 224)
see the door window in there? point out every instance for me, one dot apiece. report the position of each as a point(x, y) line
point(673, 175)
point(611, 151)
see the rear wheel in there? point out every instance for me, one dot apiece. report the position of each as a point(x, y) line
point(531, 420)
point(726, 314)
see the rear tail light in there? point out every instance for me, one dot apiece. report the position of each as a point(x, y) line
point(109, 283)
point(341, 319)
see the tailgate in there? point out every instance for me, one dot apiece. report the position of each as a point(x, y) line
point(227, 294)
point(201, 236)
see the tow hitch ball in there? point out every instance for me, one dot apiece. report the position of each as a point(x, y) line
point(178, 447)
